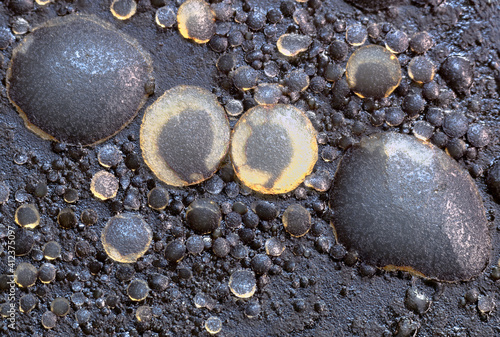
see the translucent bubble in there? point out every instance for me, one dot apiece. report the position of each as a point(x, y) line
point(373, 71)
point(293, 44)
point(196, 21)
point(242, 283)
point(273, 148)
point(123, 9)
point(184, 136)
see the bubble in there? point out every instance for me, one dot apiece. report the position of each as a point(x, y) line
point(25, 275)
point(82, 316)
point(23, 242)
point(293, 44)
point(123, 9)
point(77, 79)
point(60, 306)
point(213, 325)
point(245, 78)
point(274, 246)
point(49, 320)
point(396, 41)
point(196, 21)
point(203, 301)
point(20, 26)
point(158, 198)
point(267, 93)
point(458, 73)
point(421, 69)
point(404, 204)
point(421, 42)
point(338, 50)
point(138, 290)
point(43, 2)
point(184, 136)
point(242, 283)
point(297, 220)
point(373, 71)
point(52, 250)
point(144, 313)
point(261, 263)
point(104, 185)
point(66, 218)
point(423, 130)
point(175, 251)
point(356, 35)
point(126, 237)
point(109, 156)
point(165, 17)
point(71, 196)
point(297, 80)
point(47, 273)
point(273, 148)
point(27, 303)
point(203, 216)
point(89, 216)
point(234, 108)
point(27, 216)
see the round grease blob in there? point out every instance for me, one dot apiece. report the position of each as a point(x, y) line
point(203, 216)
point(184, 136)
point(273, 148)
point(297, 220)
point(196, 21)
point(293, 44)
point(242, 283)
point(78, 80)
point(404, 204)
point(373, 71)
point(123, 9)
point(104, 185)
point(126, 237)
point(27, 216)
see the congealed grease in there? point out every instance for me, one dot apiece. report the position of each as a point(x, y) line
point(404, 204)
point(184, 136)
point(373, 71)
point(126, 237)
point(77, 79)
point(196, 21)
point(273, 148)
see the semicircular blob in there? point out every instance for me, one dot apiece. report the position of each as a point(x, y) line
point(77, 79)
point(404, 204)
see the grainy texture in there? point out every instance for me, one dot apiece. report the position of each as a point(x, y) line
point(315, 288)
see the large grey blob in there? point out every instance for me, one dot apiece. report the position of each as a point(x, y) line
point(78, 80)
point(395, 210)
point(185, 142)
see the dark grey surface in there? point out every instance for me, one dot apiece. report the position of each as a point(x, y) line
point(348, 303)
point(77, 80)
point(413, 208)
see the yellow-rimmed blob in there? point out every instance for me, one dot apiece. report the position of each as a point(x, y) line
point(104, 185)
point(196, 21)
point(373, 71)
point(184, 136)
point(273, 148)
point(123, 9)
point(292, 44)
point(126, 237)
point(43, 2)
point(27, 216)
